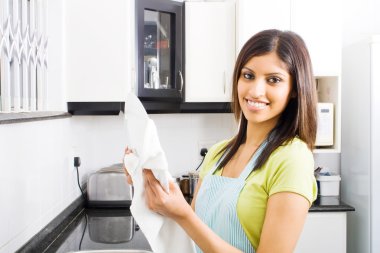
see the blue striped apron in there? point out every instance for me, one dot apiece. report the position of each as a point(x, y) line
point(216, 205)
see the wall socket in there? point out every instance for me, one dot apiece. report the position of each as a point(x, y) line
point(204, 144)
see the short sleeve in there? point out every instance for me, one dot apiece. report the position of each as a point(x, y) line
point(292, 170)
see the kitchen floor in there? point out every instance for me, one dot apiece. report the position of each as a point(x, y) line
point(95, 229)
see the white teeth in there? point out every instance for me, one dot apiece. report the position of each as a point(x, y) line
point(256, 104)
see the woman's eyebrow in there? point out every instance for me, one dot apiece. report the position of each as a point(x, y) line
point(275, 74)
point(248, 69)
point(267, 74)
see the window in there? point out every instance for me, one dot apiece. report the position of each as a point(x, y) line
point(23, 55)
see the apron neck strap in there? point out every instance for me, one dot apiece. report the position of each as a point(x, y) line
point(248, 168)
point(217, 163)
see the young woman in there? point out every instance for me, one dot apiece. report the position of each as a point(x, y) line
point(255, 189)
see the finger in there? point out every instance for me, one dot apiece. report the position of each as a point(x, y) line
point(154, 183)
point(127, 150)
point(129, 179)
point(149, 192)
point(173, 186)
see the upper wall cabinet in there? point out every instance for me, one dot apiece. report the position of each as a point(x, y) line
point(159, 50)
point(97, 50)
point(209, 50)
point(317, 22)
point(253, 16)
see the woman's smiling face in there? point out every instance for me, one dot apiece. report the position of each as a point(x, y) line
point(264, 89)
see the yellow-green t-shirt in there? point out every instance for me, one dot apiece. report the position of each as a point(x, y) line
point(290, 168)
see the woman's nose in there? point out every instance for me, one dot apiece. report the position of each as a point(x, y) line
point(257, 88)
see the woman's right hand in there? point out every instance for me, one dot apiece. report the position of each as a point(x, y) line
point(129, 178)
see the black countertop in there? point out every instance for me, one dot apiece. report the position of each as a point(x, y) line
point(80, 228)
point(330, 204)
point(94, 229)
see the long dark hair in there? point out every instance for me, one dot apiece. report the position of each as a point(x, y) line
point(299, 117)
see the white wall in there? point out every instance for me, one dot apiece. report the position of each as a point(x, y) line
point(182, 134)
point(35, 182)
point(360, 20)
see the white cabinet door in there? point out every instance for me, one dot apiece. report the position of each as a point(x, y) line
point(210, 51)
point(318, 22)
point(98, 56)
point(323, 232)
point(253, 16)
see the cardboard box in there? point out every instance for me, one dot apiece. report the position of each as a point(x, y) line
point(328, 185)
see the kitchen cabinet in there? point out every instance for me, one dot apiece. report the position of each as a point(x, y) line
point(319, 24)
point(323, 232)
point(159, 47)
point(98, 60)
point(253, 16)
point(209, 50)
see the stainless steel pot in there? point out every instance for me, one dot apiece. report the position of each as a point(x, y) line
point(188, 183)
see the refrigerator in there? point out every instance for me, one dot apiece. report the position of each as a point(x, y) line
point(360, 157)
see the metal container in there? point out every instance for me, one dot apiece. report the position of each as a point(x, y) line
point(108, 187)
point(193, 181)
point(188, 183)
point(185, 185)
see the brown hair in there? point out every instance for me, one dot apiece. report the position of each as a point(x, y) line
point(299, 117)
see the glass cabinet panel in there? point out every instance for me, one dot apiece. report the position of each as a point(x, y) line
point(157, 55)
point(159, 48)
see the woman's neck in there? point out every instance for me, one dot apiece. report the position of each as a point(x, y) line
point(256, 134)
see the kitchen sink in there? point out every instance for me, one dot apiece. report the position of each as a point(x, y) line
point(112, 251)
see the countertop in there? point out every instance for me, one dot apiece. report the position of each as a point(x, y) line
point(94, 229)
point(330, 204)
point(81, 228)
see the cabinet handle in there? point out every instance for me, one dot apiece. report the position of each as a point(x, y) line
point(224, 82)
point(180, 75)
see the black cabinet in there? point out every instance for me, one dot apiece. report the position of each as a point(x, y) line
point(159, 27)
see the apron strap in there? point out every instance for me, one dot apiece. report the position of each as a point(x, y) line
point(217, 164)
point(248, 168)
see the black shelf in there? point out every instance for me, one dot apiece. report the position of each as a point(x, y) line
point(152, 107)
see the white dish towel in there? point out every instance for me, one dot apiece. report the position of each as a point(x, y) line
point(162, 233)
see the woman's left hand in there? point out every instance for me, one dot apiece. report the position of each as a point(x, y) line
point(171, 204)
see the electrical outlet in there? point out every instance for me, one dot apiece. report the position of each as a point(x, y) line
point(204, 144)
point(76, 161)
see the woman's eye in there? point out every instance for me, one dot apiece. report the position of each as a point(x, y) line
point(248, 76)
point(274, 80)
